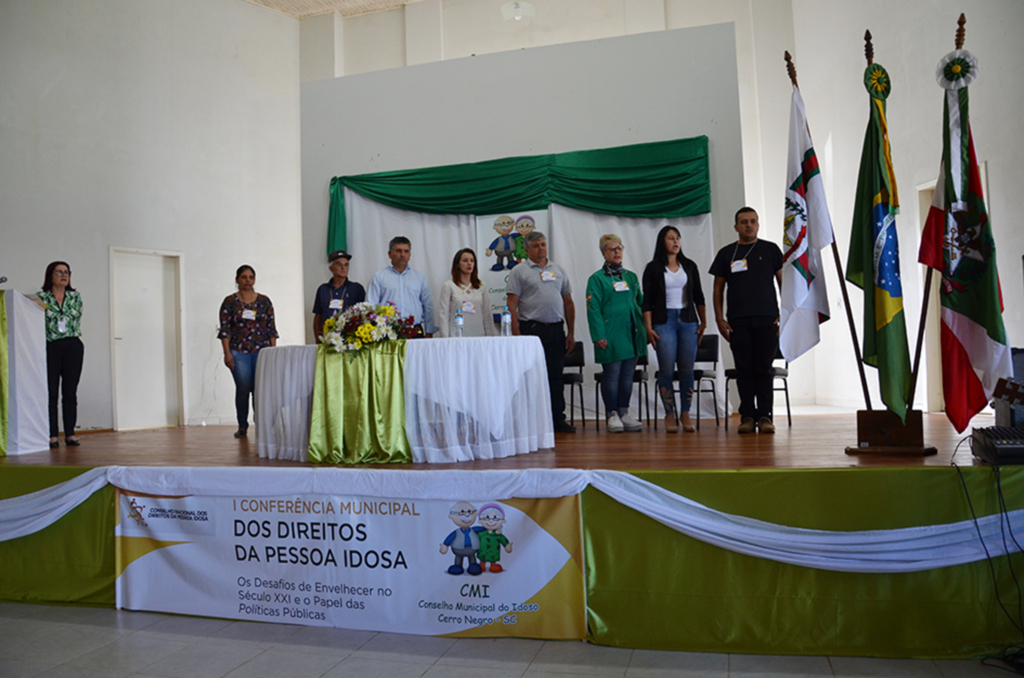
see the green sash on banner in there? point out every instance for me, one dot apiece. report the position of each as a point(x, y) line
point(359, 406)
point(5, 375)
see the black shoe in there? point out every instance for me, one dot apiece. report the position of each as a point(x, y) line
point(72, 442)
point(564, 427)
point(241, 433)
point(54, 444)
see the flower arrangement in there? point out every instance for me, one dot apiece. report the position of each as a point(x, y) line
point(364, 324)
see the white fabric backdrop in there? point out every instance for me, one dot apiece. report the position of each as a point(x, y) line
point(574, 247)
point(911, 549)
point(572, 244)
point(29, 417)
point(284, 404)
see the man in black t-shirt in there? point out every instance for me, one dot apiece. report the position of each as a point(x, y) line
point(747, 267)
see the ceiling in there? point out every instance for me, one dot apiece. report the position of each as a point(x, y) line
point(300, 9)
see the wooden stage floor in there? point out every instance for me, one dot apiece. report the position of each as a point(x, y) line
point(814, 441)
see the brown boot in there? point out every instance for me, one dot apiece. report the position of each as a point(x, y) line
point(746, 426)
point(670, 423)
point(688, 426)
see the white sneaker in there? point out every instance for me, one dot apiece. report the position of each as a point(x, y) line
point(614, 423)
point(630, 424)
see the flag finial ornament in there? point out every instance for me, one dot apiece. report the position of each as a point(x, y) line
point(869, 49)
point(959, 68)
point(791, 69)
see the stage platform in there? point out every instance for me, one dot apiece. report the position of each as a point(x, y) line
point(649, 586)
point(812, 442)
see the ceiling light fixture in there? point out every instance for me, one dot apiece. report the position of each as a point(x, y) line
point(517, 10)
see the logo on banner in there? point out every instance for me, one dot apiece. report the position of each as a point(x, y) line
point(480, 544)
point(135, 510)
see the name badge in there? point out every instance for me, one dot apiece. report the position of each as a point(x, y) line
point(62, 326)
point(248, 314)
point(336, 304)
point(739, 265)
point(468, 307)
point(547, 276)
point(621, 286)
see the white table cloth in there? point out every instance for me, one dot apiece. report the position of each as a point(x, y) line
point(28, 423)
point(469, 398)
point(284, 400)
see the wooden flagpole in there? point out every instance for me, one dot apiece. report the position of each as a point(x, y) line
point(882, 432)
point(791, 69)
point(959, 43)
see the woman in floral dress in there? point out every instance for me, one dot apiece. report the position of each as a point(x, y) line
point(65, 352)
point(246, 326)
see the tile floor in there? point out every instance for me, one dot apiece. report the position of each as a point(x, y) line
point(75, 642)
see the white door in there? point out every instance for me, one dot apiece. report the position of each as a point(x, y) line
point(144, 319)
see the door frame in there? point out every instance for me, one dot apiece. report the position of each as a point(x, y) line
point(179, 315)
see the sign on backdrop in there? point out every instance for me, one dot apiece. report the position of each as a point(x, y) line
point(468, 568)
point(500, 248)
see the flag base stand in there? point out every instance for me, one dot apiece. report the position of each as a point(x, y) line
point(881, 432)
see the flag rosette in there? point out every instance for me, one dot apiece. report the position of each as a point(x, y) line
point(956, 70)
point(877, 82)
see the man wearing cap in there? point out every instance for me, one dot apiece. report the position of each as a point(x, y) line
point(336, 294)
point(405, 287)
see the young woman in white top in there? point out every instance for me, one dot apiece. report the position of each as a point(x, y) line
point(465, 291)
point(675, 317)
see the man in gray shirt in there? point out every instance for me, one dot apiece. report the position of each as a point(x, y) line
point(540, 300)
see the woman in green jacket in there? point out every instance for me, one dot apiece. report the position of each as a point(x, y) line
point(617, 328)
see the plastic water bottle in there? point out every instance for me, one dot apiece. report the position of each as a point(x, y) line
point(460, 323)
point(506, 322)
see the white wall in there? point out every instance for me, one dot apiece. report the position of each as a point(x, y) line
point(825, 37)
point(166, 124)
point(595, 94)
point(910, 38)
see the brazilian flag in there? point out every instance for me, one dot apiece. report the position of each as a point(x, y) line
point(873, 263)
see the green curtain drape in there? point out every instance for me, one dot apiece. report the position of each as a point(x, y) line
point(658, 179)
point(5, 375)
point(359, 406)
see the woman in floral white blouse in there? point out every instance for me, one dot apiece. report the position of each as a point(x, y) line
point(246, 326)
point(65, 352)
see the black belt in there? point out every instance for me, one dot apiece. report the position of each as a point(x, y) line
point(537, 322)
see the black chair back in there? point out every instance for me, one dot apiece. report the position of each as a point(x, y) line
point(574, 358)
point(707, 350)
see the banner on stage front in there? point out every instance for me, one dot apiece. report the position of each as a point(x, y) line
point(500, 248)
point(468, 568)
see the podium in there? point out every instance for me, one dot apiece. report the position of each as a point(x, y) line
point(24, 398)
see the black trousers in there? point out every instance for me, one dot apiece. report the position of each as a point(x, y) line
point(64, 359)
point(755, 340)
point(552, 338)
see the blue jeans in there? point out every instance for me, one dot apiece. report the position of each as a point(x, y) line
point(677, 350)
point(245, 381)
point(617, 385)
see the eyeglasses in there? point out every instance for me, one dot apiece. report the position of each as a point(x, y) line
point(614, 249)
point(59, 271)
